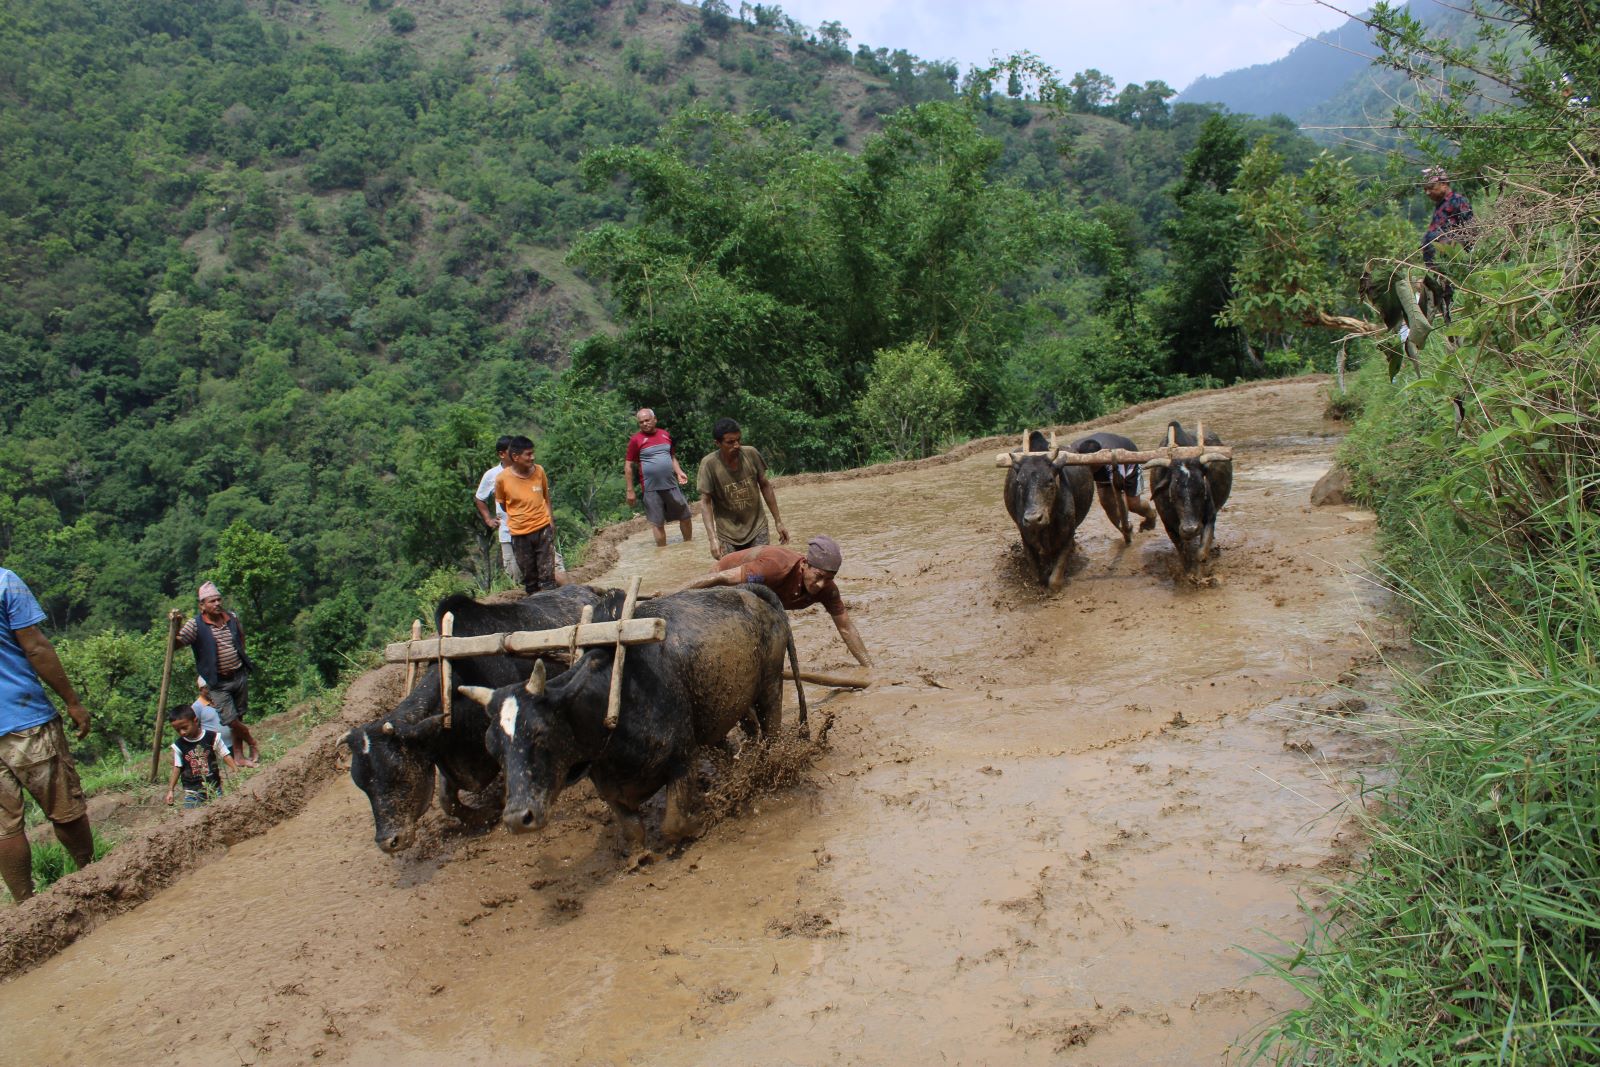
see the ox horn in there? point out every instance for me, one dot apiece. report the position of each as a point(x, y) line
point(387, 728)
point(476, 693)
point(535, 686)
point(1006, 460)
point(1159, 462)
point(1213, 457)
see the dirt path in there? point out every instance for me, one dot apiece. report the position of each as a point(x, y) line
point(1014, 856)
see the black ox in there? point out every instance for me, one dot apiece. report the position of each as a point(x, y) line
point(720, 664)
point(395, 760)
point(1047, 499)
point(1188, 494)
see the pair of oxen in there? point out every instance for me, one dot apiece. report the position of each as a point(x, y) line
point(1049, 498)
point(520, 734)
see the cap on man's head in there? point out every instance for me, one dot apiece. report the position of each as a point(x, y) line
point(823, 553)
point(1434, 174)
point(208, 590)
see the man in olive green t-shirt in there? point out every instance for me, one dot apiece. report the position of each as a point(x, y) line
point(732, 482)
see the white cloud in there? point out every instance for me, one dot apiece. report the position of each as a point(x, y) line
point(1131, 40)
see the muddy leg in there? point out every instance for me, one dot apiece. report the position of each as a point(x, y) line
point(629, 824)
point(1058, 573)
point(1141, 509)
point(769, 707)
point(682, 820)
point(1111, 503)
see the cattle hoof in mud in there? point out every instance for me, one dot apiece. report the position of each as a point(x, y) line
point(469, 815)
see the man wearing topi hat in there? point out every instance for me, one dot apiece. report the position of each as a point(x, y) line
point(220, 660)
point(799, 581)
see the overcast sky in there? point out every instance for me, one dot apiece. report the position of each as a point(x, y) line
point(1131, 40)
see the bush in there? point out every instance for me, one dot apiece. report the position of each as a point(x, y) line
point(912, 399)
point(402, 21)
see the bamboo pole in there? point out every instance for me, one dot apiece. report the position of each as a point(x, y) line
point(161, 701)
point(447, 628)
point(614, 703)
point(530, 642)
point(411, 664)
point(835, 681)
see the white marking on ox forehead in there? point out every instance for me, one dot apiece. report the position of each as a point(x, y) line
point(508, 717)
point(366, 743)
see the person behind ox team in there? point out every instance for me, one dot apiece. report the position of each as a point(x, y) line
point(659, 478)
point(220, 658)
point(732, 482)
point(523, 490)
point(799, 581)
point(33, 746)
point(496, 519)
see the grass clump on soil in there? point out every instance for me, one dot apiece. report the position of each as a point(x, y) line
point(1471, 934)
point(51, 862)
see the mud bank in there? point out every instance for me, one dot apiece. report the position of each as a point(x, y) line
point(1049, 835)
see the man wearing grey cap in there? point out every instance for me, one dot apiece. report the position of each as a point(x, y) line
point(799, 581)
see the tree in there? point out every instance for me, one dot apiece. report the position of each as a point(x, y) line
point(1090, 92)
point(912, 399)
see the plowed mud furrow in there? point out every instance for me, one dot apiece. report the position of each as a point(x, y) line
point(1050, 838)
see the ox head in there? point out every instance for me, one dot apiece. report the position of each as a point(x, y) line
point(393, 764)
point(1033, 483)
point(529, 734)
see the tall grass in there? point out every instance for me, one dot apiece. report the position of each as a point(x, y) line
point(1471, 934)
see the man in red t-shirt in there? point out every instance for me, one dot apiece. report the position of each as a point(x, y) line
point(800, 581)
point(659, 476)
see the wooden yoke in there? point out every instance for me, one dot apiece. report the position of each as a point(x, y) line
point(447, 629)
point(614, 702)
point(1171, 451)
point(530, 642)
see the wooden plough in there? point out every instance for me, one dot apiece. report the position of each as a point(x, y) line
point(1171, 451)
point(586, 633)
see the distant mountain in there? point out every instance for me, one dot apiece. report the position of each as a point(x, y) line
point(1329, 84)
point(1315, 71)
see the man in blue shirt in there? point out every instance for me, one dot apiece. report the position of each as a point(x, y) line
point(33, 747)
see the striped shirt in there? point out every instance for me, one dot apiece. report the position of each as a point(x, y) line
point(227, 655)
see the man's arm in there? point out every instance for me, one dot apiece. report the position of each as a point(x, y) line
point(490, 519)
point(627, 479)
point(852, 638)
point(770, 495)
point(734, 576)
point(47, 665)
point(708, 516)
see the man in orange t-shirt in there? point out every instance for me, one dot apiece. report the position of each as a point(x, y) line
point(524, 492)
point(799, 581)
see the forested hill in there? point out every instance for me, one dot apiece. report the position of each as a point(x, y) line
point(276, 274)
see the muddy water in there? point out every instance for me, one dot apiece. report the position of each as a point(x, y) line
point(1053, 833)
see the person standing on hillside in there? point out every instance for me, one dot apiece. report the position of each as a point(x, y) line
point(220, 658)
point(33, 746)
point(732, 482)
point(800, 581)
point(496, 519)
point(660, 477)
point(1451, 212)
point(523, 490)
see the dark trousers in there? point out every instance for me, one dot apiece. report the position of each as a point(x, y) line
point(536, 558)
